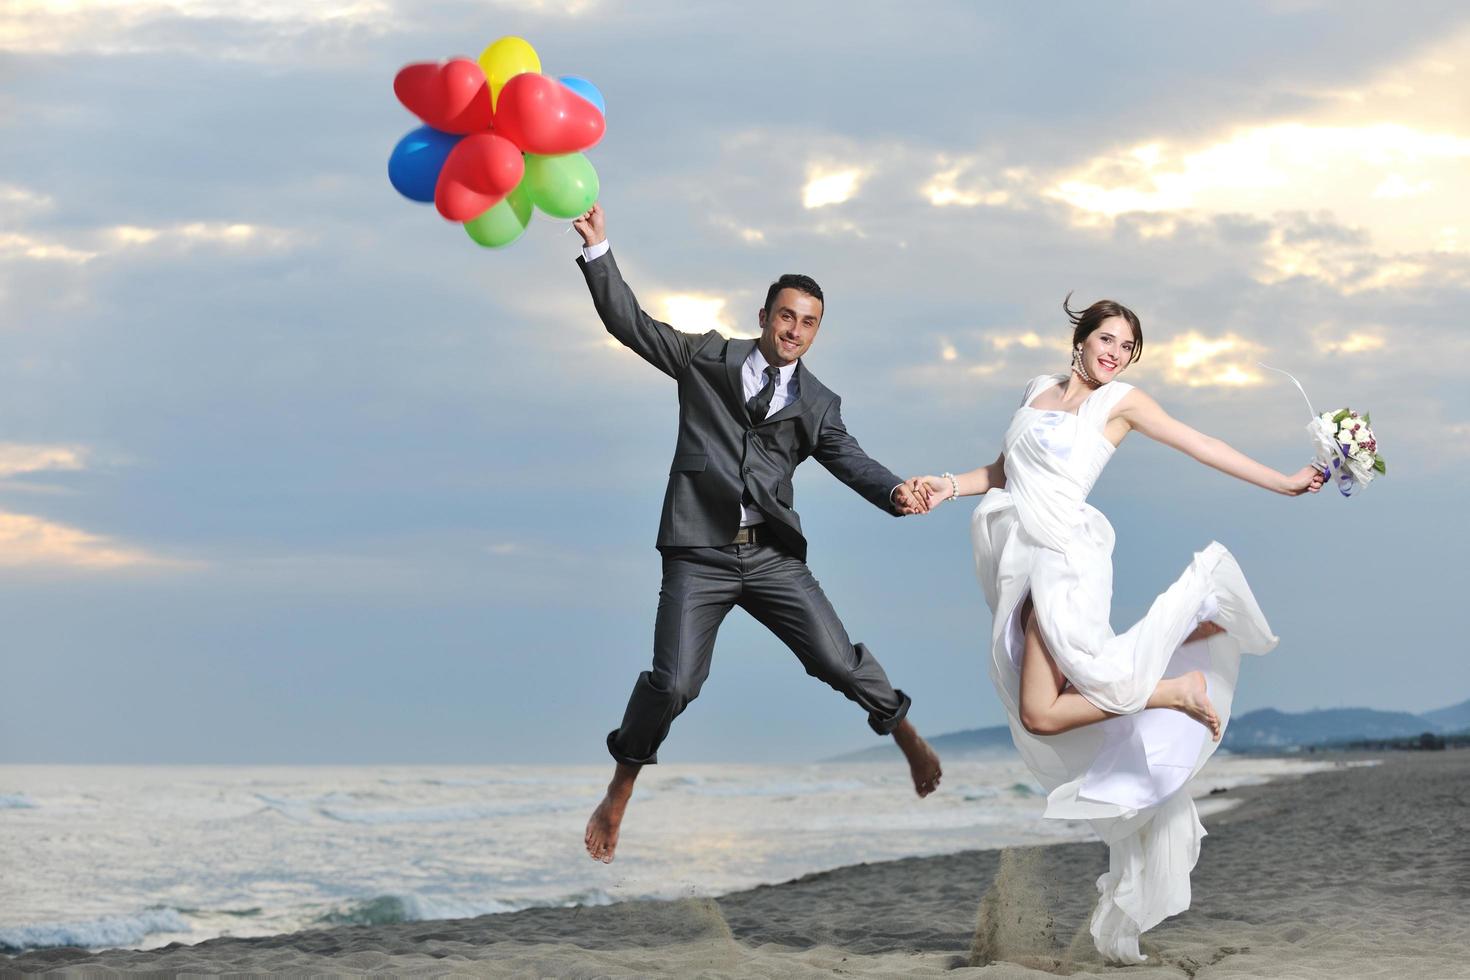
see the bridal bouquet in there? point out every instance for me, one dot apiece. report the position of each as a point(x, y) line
point(1347, 448)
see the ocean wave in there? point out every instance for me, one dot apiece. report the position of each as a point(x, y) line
point(17, 801)
point(237, 913)
point(774, 789)
point(472, 781)
point(388, 909)
point(107, 931)
point(592, 896)
point(297, 810)
point(451, 813)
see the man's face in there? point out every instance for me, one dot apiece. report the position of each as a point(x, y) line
point(790, 326)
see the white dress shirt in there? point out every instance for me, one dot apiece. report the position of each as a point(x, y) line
point(752, 380)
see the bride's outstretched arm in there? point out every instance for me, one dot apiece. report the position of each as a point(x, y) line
point(981, 480)
point(1145, 415)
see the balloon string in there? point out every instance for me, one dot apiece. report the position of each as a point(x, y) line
point(1295, 382)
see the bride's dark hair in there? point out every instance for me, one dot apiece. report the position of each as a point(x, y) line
point(1084, 322)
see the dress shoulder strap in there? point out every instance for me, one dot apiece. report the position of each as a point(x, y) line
point(1039, 384)
point(1099, 405)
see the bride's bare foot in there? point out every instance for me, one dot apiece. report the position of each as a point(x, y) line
point(923, 762)
point(1188, 694)
point(603, 826)
point(1204, 630)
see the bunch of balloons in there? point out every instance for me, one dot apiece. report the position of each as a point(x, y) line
point(498, 139)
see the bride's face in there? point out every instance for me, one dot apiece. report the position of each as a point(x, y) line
point(1108, 349)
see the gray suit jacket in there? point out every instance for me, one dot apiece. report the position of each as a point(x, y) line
point(720, 453)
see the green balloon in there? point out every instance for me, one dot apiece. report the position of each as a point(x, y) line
point(563, 186)
point(503, 223)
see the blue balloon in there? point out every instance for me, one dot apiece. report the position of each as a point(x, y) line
point(414, 167)
point(586, 90)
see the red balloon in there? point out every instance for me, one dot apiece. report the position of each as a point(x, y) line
point(453, 97)
point(543, 116)
point(479, 172)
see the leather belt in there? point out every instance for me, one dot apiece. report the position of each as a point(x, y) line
point(754, 534)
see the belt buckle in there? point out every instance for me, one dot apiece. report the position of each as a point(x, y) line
point(744, 535)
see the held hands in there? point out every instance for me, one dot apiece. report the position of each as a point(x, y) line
point(907, 501)
point(934, 489)
point(592, 226)
point(921, 494)
point(1308, 479)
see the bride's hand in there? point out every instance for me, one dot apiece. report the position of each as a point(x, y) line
point(935, 488)
point(1308, 479)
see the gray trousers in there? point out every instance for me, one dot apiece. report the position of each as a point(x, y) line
point(700, 586)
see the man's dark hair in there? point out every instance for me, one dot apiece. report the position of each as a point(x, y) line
point(793, 280)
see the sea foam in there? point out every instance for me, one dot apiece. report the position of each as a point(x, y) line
point(111, 930)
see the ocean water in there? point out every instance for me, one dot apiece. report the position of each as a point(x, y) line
point(141, 856)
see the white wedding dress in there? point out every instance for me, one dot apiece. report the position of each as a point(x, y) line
point(1125, 775)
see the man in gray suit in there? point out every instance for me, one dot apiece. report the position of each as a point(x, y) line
point(749, 412)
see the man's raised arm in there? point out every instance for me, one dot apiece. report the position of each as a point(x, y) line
point(659, 344)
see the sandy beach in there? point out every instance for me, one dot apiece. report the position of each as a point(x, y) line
point(1361, 871)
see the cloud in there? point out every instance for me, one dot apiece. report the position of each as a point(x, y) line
point(968, 182)
point(18, 457)
point(223, 234)
point(16, 200)
point(131, 27)
point(1357, 342)
point(26, 540)
point(1310, 247)
point(1403, 184)
point(1390, 156)
point(1028, 339)
point(258, 31)
point(29, 541)
point(120, 239)
point(827, 185)
point(696, 313)
point(18, 245)
point(1006, 353)
point(1194, 360)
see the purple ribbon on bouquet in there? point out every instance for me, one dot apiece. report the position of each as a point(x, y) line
point(1345, 482)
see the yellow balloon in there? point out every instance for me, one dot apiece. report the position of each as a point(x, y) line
point(503, 60)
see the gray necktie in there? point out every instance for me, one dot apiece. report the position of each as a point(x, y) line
point(760, 402)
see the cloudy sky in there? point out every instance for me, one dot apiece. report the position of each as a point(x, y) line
point(292, 471)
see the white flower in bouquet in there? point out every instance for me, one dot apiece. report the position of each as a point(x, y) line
point(1345, 439)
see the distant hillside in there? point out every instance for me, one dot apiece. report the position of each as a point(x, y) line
point(955, 745)
point(1257, 731)
point(1271, 729)
point(1455, 718)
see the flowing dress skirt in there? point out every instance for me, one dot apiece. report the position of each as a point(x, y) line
point(1127, 775)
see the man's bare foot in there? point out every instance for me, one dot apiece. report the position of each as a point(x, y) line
point(1188, 694)
point(603, 826)
point(923, 762)
point(1204, 630)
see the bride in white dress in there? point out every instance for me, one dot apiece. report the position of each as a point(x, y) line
point(1113, 725)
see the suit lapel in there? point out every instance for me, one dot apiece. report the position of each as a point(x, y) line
point(736, 351)
point(794, 406)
